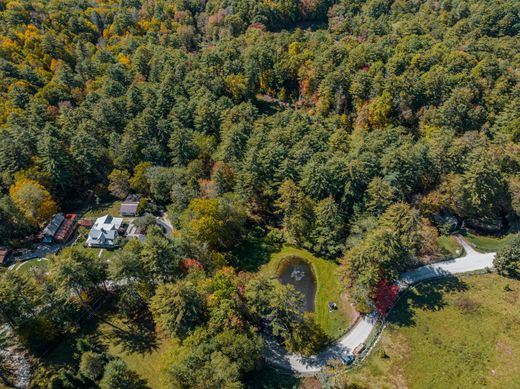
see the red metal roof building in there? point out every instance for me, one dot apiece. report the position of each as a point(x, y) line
point(86, 223)
point(67, 227)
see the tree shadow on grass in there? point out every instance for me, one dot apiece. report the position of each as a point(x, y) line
point(271, 378)
point(428, 296)
point(252, 253)
point(139, 337)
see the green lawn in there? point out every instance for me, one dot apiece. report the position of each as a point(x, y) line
point(95, 251)
point(252, 253)
point(456, 333)
point(449, 247)
point(145, 352)
point(329, 288)
point(31, 264)
point(110, 208)
point(488, 243)
point(149, 355)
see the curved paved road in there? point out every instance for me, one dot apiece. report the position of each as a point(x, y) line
point(362, 329)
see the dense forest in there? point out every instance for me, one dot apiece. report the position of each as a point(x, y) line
point(358, 130)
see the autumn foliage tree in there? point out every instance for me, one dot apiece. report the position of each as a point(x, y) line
point(35, 202)
point(119, 183)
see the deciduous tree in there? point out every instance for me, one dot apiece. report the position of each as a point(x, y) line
point(177, 308)
point(507, 259)
point(118, 183)
point(33, 200)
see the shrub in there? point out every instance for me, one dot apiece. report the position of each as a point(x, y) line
point(92, 365)
point(507, 260)
point(118, 375)
point(467, 305)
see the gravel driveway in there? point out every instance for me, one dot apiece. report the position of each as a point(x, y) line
point(360, 332)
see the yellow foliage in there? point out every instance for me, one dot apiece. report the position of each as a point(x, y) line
point(144, 24)
point(21, 83)
point(164, 29)
point(294, 48)
point(429, 132)
point(379, 110)
point(201, 220)
point(6, 109)
point(344, 119)
point(123, 59)
point(30, 34)
point(264, 80)
point(54, 64)
point(33, 200)
point(43, 73)
point(236, 84)
point(7, 47)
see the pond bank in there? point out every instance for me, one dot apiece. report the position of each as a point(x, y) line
point(328, 288)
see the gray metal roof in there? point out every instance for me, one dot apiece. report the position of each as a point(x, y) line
point(54, 225)
point(128, 208)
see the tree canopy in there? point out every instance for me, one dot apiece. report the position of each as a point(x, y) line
point(350, 128)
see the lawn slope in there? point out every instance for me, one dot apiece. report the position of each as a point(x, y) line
point(329, 288)
point(457, 333)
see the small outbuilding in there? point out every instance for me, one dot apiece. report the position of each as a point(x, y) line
point(129, 206)
point(51, 229)
point(67, 228)
point(60, 228)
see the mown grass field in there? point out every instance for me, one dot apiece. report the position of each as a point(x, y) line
point(24, 267)
point(145, 351)
point(488, 244)
point(329, 288)
point(456, 333)
point(110, 208)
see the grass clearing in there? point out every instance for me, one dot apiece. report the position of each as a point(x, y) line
point(329, 288)
point(457, 333)
point(95, 251)
point(149, 354)
point(110, 208)
point(252, 253)
point(145, 352)
point(488, 244)
point(449, 247)
point(26, 266)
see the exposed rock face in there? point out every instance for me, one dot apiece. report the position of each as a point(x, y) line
point(16, 361)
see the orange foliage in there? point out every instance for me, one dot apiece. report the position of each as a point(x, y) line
point(33, 200)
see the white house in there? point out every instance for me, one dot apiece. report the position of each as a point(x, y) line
point(104, 231)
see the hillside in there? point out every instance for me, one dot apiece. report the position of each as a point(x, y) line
point(361, 135)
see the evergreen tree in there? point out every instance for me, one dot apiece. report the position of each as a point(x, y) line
point(328, 231)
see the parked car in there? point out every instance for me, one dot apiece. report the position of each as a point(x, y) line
point(347, 358)
point(359, 349)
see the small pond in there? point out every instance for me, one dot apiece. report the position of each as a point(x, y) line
point(297, 272)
